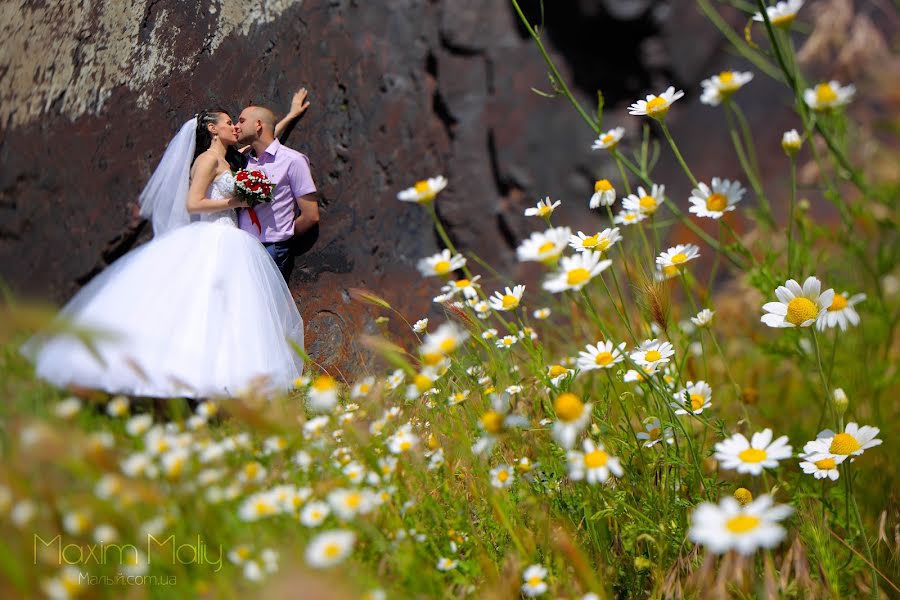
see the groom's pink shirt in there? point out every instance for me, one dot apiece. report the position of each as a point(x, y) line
point(289, 170)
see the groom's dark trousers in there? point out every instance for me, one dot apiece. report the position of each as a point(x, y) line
point(283, 255)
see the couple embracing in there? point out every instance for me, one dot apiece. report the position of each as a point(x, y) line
point(204, 308)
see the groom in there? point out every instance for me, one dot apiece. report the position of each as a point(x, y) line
point(294, 188)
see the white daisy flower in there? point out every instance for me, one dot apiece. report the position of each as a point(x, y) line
point(820, 465)
point(557, 373)
point(402, 441)
point(489, 334)
point(629, 217)
point(677, 256)
point(841, 313)
point(791, 142)
point(543, 209)
point(604, 194)
point(608, 140)
point(602, 355)
point(424, 191)
point(644, 203)
point(601, 242)
point(421, 326)
point(693, 399)
point(572, 415)
point(743, 528)
point(329, 548)
point(502, 476)
point(575, 272)
point(506, 342)
point(468, 287)
point(446, 564)
point(533, 578)
point(118, 406)
point(396, 379)
point(347, 503)
point(541, 313)
point(656, 107)
point(796, 306)
point(853, 441)
point(703, 318)
point(362, 388)
point(441, 263)
point(68, 408)
point(494, 422)
point(653, 353)
point(654, 433)
point(826, 96)
point(323, 394)
point(721, 87)
point(545, 246)
point(593, 465)
point(782, 14)
point(443, 341)
point(716, 201)
point(738, 454)
point(508, 300)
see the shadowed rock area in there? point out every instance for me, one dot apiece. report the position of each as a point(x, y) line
point(400, 90)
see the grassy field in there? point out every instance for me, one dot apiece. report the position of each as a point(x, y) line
point(612, 432)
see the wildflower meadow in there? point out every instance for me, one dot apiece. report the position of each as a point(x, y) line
point(701, 415)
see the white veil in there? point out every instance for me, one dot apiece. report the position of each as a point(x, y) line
point(164, 198)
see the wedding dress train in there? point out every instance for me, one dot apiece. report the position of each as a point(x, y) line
point(199, 311)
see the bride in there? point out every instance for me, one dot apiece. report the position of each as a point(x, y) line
point(201, 310)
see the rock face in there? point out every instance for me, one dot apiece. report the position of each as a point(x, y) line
point(400, 90)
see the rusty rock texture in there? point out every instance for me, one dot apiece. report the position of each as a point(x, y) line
point(400, 90)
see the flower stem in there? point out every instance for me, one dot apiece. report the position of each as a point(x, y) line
point(665, 129)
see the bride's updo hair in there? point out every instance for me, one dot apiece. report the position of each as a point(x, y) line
point(235, 159)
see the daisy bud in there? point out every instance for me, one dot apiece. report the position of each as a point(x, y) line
point(791, 142)
point(642, 563)
point(803, 205)
point(743, 496)
point(840, 400)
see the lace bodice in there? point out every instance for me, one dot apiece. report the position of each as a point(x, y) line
point(221, 187)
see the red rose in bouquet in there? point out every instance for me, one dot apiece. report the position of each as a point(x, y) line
point(253, 187)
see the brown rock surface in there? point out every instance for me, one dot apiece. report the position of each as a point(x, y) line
point(400, 90)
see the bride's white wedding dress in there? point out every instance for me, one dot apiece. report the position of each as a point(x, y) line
point(199, 311)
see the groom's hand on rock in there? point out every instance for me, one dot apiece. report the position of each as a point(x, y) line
point(299, 103)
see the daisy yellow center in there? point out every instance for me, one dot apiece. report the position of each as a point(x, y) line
point(462, 283)
point(324, 384)
point(654, 433)
point(657, 105)
point(602, 244)
point(557, 370)
point(800, 310)
point(432, 358)
point(679, 258)
point(423, 382)
point(670, 270)
point(743, 496)
point(592, 241)
point(607, 138)
point(442, 267)
point(603, 358)
point(648, 204)
point(752, 455)
point(243, 552)
point(422, 187)
point(364, 388)
point(839, 303)
point(825, 94)
point(825, 464)
point(742, 523)
point(535, 581)
point(405, 445)
point(595, 459)
point(510, 301)
point(844, 443)
point(251, 470)
point(652, 356)
point(568, 407)
point(726, 77)
point(354, 500)
point(546, 247)
point(578, 276)
point(331, 550)
point(448, 345)
point(696, 401)
point(716, 202)
point(544, 210)
point(783, 20)
point(502, 476)
point(629, 218)
point(262, 507)
point(492, 421)
point(603, 185)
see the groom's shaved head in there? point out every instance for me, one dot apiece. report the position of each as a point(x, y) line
point(262, 114)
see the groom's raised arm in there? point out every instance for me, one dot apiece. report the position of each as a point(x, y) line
point(299, 104)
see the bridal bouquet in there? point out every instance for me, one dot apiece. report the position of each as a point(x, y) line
point(253, 187)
